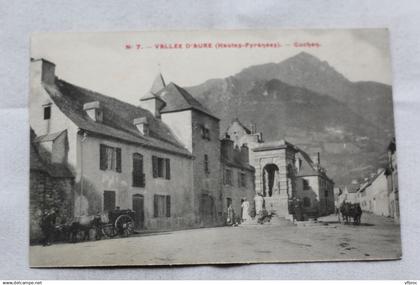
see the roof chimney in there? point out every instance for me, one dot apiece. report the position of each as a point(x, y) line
point(93, 109)
point(245, 154)
point(227, 149)
point(42, 70)
point(142, 125)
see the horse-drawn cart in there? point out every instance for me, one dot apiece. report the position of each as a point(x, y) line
point(119, 222)
point(114, 223)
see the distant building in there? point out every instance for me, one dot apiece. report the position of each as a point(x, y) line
point(373, 194)
point(281, 170)
point(238, 176)
point(378, 193)
point(50, 188)
point(313, 186)
point(391, 173)
point(162, 159)
point(350, 192)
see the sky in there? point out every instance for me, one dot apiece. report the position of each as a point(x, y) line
point(103, 63)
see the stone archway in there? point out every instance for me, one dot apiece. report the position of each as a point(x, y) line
point(270, 179)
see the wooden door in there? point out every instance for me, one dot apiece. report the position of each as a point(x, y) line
point(138, 208)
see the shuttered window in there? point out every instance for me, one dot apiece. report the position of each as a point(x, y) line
point(205, 133)
point(109, 200)
point(161, 206)
point(167, 168)
point(47, 112)
point(228, 177)
point(206, 164)
point(118, 158)
point(168, 206)
point(154, 166)
point(109, 158)
point(102, 157)
point(138, 174)
point(161, 167)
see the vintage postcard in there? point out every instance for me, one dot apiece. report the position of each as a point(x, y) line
point(212, 147)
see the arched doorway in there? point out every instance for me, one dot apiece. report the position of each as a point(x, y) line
point(270, 179)
point(138, 208)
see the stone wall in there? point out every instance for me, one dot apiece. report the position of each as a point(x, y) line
point(47, 193)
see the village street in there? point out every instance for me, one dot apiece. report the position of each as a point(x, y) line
point(376, 238)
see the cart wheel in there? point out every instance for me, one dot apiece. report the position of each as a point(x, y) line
point(124, 225)
point(109, 230)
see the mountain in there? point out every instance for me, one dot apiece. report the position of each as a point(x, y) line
point(371, 100)
point(305, 101)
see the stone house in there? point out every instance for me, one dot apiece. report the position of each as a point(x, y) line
point(373, 194)
point(50, 187)
point(162, 159)
point(391, 173)
point(350, 194)
point(313, 187)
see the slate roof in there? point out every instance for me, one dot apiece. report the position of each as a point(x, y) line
point(248, 131)
point(48, 137)
point(308, 167)
point(118, 118)
point(370, 181)
point(158, 84)
point(178, 99)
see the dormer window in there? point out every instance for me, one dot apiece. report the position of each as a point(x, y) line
point(47, 112)
point(93, 110)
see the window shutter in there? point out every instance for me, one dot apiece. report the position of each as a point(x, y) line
point(154, 166)
point(168, 206)
point(155, 206)
point(168, 168)
point(118, 166)
point(102, 157)
point(142, 180)
point(203, 134)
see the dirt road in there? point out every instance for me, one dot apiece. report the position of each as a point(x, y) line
point(376, 238)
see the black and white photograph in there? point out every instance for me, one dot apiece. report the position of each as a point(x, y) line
point(212, 147)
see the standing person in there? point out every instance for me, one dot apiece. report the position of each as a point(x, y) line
point(230, 216)
point(47, 226)
point(44, 227)
point(298, 210)
point(245, 210)
point(259, 201)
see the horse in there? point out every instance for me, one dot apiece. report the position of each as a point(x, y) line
point(78, 229)
point(351, 211)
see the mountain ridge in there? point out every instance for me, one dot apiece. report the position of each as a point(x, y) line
point(351, 133)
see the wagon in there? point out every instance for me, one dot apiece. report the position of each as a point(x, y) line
point(118, 222)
